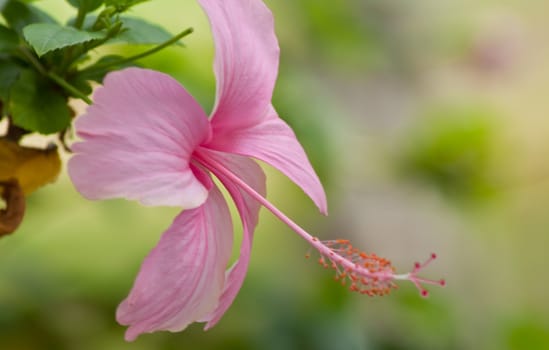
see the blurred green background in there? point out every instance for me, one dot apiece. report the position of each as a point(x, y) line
point(427, 123)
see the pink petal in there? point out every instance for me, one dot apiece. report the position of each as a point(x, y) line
point(248, 208)
point(137, 141)
point(246, 65)
point(273, 141)
point(246, 60)
point(182, 278)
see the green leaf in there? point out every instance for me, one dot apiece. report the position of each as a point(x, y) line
point(9, 72)
point(8, 40)
point(138, 31)
point(45, 37)
point(135, 31)
point(37, 105)
point(18, 15)
point(87, 5)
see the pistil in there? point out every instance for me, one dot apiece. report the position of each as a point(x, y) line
point(367, 273)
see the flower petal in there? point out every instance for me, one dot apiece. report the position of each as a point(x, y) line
point(273, 141)
point(246, 66)
point(182, 278)
point(248, 208)
point(246, 60)
point(138, 138)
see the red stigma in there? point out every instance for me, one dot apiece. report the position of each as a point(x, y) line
point(418, 281)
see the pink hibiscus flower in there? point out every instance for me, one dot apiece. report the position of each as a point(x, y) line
point(145, 138)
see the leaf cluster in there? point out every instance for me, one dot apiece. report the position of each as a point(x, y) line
point(43, 63)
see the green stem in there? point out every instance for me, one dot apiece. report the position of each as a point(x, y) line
point(80, 17)
point(33, 60)
point(78, 23)
point(68, 87)
point(140, 55)
point(60, 81)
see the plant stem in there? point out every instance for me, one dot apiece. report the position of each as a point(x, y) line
point(80, 17)
point(68, 87)
point(33, 60)
point(56, 78)
point(138, 56)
